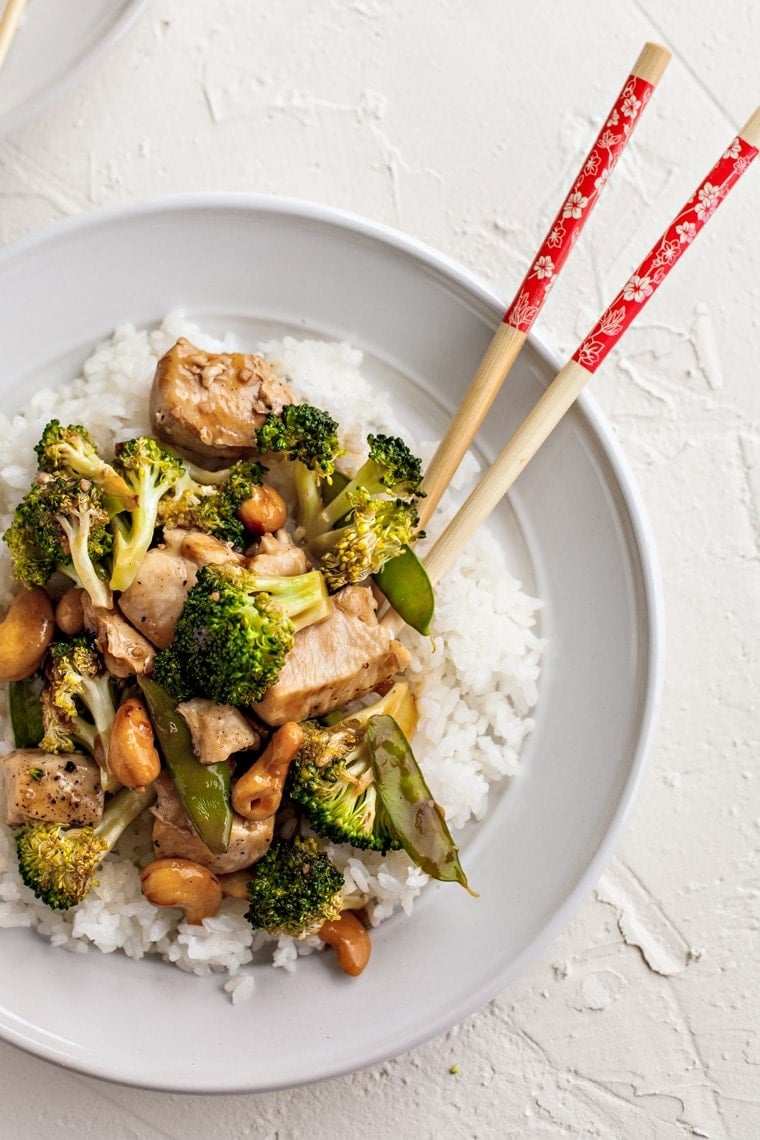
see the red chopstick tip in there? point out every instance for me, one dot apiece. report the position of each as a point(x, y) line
point(750, 132)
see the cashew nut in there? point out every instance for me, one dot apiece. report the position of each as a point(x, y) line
point(132, 756)
point(350, 940)
point(265, 511)
point(258, 792)
point(25, 634)
point(182, 883)
point(235, 883)
point(69, 615)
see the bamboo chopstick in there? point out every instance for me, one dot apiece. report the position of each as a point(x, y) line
point(549, 260)
point(9, 22)
point(567, 385)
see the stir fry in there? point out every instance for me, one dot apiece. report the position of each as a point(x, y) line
point(196, 635)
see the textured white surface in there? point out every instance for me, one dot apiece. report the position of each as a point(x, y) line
point(461, 124)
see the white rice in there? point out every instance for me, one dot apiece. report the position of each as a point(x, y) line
point(476, 679)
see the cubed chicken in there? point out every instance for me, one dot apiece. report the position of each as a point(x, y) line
point(210, 404)
point(278, 554)
point(334, 662)
point(175, 836)
point(217, 730)
point(55, 789)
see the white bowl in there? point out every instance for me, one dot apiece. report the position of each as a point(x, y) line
point(573, 530)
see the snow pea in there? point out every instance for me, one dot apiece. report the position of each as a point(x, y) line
point(414, 815)
point(25, 710)
point(403, 580)
point(405, 583)
point(204, 789)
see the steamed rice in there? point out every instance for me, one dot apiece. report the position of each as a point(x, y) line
point(476, 679)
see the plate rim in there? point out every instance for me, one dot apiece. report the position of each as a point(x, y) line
point(32, 107)
point(642, 542)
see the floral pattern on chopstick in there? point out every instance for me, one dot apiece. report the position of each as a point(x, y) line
point(655, 267)
point(579, 203)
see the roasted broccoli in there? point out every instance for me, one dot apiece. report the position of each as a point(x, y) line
point(78, 706)
point(59, 863)
point(150, 472)
point(295, 889)
point(389, 471)
point(331, 779)
point(62, 524)
point(304, 434)
point(308, 436)
point(376, 531)
point(213, 508)
point(70, 450)
point(234, 631)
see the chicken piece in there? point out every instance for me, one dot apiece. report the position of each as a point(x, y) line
point(155, 599)
point(217, 730)
point(174, 835)
point(204, 550)
point(331, 663)
point(125, 652)
point(277, 554)
point(210, 404)
point(54, 789)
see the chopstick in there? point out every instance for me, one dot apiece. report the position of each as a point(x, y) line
point(9, 22)
point(543, 272)
point(593, 349)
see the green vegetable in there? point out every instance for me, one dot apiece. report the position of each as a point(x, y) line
point(234, 632)
point(71, 450)
point(414, 815)
point(294, 890)
point(376, 530)
point(204, 789)
point(390, 470)
point(213, 508)
point(25, 710)
point(405, 583)
point(304, 434)
point(59, 863)
point(150, 472)
point(78, 706)
point(332, 782)
point(62, 524)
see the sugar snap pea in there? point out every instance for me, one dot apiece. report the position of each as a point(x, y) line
point(414, 815)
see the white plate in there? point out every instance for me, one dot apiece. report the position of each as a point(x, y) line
point(573, 530)
point(55, 41)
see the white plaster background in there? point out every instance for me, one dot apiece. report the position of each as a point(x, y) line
point(461, 122)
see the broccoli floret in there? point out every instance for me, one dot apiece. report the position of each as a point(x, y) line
point(78, 705)
point(213, 508)
point(234, 631)
point(308, 436)
point(331, 779)
point(305, 434)
point(295, 889)
point(62, 524)
point(376, 531)
point(389, 470)
point(71, 450)
point(59, 863)
point(150, 472)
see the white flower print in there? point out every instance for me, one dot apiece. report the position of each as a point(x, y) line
point(687, 231)
point(556, 237)
point(667, 253)
point(592, 163)
point(734, 150)
point(588, 353)
point(608, 141)
point(612, 321)
point(575, 205)
point(601, 181)
point(544, 267)
point(631, 106)
point(523, 313)
point(638, 289)
point(613, 120)
point(708, 196)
